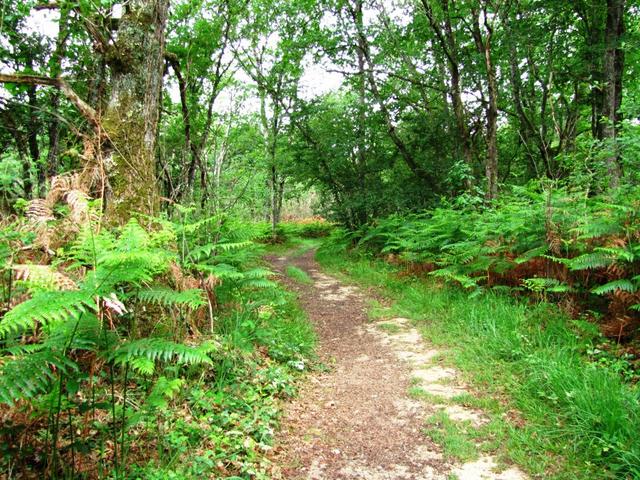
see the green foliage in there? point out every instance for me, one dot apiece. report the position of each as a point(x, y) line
point(46, 309)
point(165, 296)
point(554, 243)
point(144, 353)
point(540, 285)
point(105, 328)
point(31, 374)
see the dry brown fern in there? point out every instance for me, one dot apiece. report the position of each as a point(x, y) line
point(44, 275)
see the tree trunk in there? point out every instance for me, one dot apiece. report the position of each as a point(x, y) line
point(483, 45)
point(613, 70)
point(360, 129)
point(131, 118)
point(21, 147)
point(392, 131)
point(277, 187)
point(32, 136)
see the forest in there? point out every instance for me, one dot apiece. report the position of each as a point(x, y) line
point(176, 176)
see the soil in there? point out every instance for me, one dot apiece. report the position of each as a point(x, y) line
point(357, 420)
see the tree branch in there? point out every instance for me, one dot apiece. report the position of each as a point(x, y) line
point(85, 110)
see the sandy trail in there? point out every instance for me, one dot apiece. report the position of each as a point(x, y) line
point(357, 421)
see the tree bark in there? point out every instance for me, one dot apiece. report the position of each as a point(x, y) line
point(128, 130)
point(131, 118)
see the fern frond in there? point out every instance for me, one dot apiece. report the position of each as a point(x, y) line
point(211, 248)
point(617, 253)
point(531, 254)
point(45, 308)
point(165, 296)
point(544, 284)
point(139, 353)
point(450, 275)
point(27, 376)
point(259, 283)
point(222, 270)
point(89, 244)
point(135, 268)
point(43, 277)
point(257, 273)
point(611, 287)
point(596, 228)
point(591, 261)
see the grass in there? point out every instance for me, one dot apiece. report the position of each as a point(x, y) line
point(389, 327)
point(292, 246)
point(580, 420)
point(454, 437)
point(298, 275)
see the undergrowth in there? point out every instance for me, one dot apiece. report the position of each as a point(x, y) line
point(580, 415)
point(155, 350)
point(567, 247)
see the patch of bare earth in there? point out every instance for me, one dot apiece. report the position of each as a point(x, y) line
point(356, 421)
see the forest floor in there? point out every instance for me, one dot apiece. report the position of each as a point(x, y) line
point(385, 408)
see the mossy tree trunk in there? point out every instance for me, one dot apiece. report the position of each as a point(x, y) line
point(136, 63)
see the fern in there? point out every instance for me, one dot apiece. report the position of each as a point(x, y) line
point(531, 254)
point(212, 248)
point(163, 390)
point(615, 285)
point(165, 296)
point(142, 354)
point(46, 308)
point(259, 283)
point(27, 376)
point(450, 275)
point(543, 284)
point(222, 270)
point(591, 261)
point(89, 244)
point(257, 273)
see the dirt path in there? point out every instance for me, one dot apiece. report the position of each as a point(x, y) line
point(357, 421)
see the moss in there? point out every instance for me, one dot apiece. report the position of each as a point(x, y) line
point(128, 119)
point(132, 169)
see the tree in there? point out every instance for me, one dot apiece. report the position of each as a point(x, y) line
point(198, 53)
point(124, 137)
point(273, 60)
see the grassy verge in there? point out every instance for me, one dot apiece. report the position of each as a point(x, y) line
point(552, 411)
